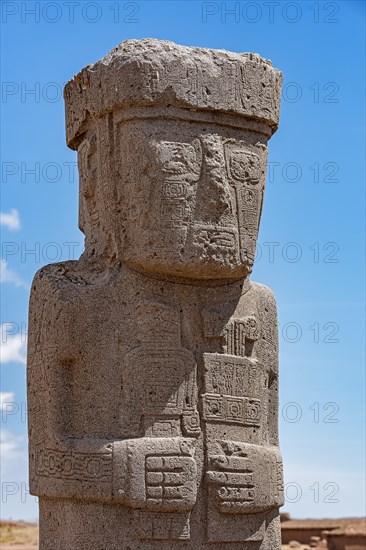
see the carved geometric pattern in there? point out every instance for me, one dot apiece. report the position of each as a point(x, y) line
point(237, 410)
point(74, 465)
point(162, 526)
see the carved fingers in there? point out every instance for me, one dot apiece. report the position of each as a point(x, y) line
point(155, 474)
point(245, 478)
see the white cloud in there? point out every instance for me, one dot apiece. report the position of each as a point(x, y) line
point(10, 220)
point(16, 502)
point(6, 397)
point(9, 444)
point(12, 346)
point(13, 453)
point(7, 275)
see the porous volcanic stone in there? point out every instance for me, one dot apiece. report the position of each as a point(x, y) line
point(153, 359)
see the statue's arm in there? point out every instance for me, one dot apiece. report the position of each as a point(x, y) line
point(268, 354)
point(66, 465)
point(59, 465)
point(268, 350)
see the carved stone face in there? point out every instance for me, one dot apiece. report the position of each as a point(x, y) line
point(193, 196)
point(189, 197)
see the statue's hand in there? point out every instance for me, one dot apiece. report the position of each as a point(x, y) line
point(155, 473)
point(245, 478)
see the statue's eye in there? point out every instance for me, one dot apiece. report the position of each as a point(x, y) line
point(178, 160)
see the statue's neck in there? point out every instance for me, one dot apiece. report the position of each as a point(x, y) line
point(203, 287)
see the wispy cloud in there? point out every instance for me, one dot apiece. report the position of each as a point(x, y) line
point(12, 346)
point(6, 397)
point(13, 454)
point(11, 220)
point(9, 444)
point(8, 275)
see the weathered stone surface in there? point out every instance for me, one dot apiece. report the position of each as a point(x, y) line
point(156, 72)
point(153, 370)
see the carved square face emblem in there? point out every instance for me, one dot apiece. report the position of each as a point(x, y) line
point(245, 166)
point(176, 190)
point(214, 408)
point(235, 409)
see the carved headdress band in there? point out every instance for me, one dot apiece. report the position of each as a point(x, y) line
point(161, 74)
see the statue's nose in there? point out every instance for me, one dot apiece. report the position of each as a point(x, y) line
point(214, 199)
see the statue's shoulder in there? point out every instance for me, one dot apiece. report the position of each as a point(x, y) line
point(265, 299)
point(262, 291)
point(266, 310)
point(59, 303)
point(59, 282)
point(52, 302)
point(58, 277)
point(74, 290)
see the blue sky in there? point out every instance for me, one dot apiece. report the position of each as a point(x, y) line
point(311, 241)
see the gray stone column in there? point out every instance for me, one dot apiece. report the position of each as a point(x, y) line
point(153, 359)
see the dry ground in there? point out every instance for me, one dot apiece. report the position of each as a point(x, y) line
point(16, 535)
point(24, 536)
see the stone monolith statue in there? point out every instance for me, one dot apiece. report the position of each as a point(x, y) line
point(153, 372)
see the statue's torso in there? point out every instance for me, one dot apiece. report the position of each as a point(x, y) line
point(176, 382)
